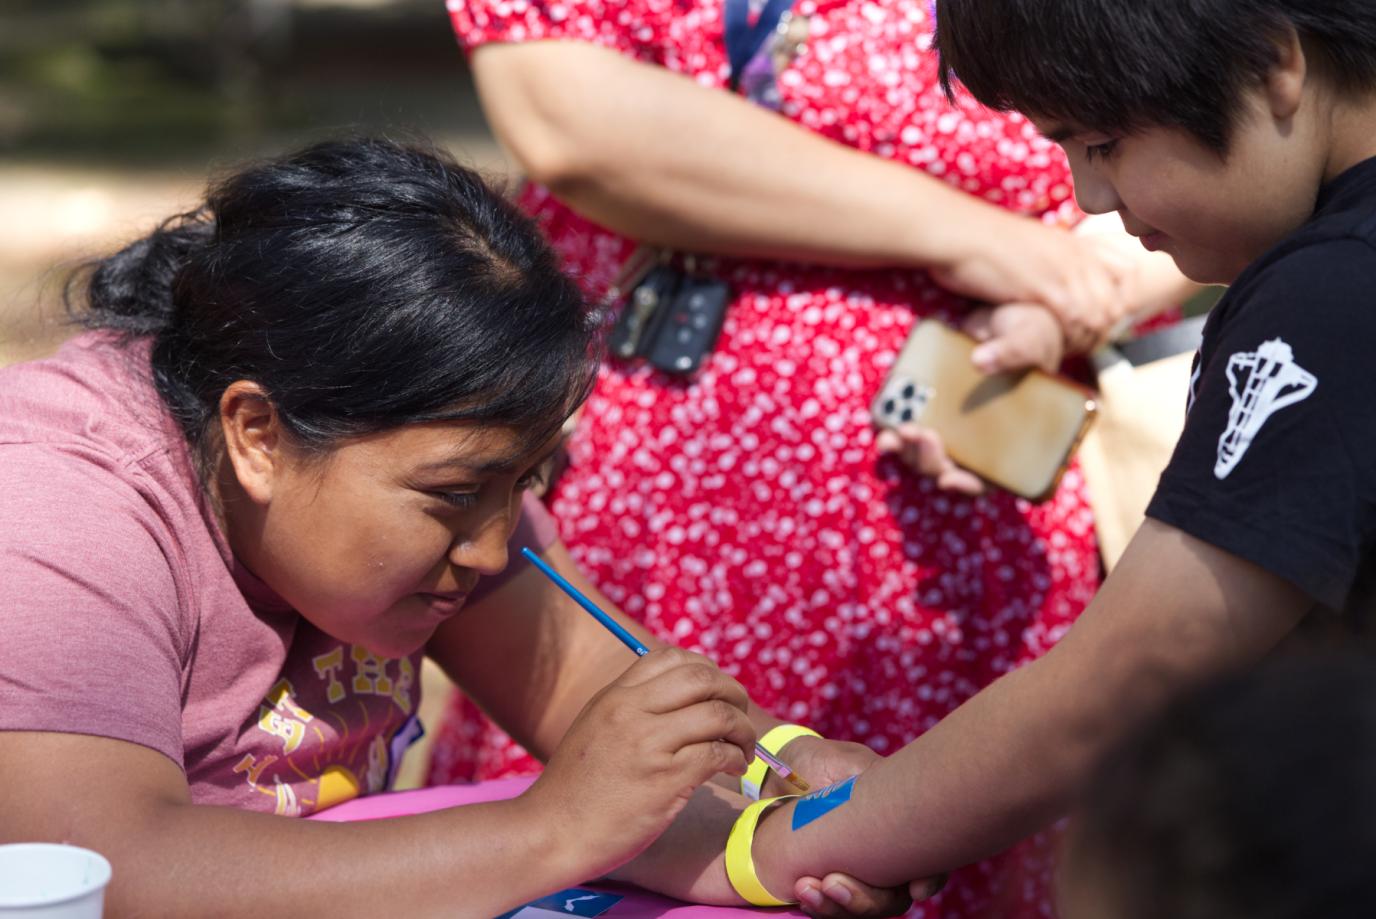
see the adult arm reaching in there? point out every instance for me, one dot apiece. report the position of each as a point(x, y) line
point(790, 193)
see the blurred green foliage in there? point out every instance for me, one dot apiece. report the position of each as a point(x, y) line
point(145, 77)
point(97, 71)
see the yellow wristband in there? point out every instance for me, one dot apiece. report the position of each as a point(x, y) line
point(740, 864)
point(774, 740)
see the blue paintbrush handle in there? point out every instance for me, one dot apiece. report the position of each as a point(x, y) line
point(611, 624)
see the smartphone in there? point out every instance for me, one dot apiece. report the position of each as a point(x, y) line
point(1017, 431)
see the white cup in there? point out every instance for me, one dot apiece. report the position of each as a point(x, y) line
point(40, 880)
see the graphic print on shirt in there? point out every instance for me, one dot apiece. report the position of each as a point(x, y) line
point(334, 738)
point(1195, 374)
point(1261, 383)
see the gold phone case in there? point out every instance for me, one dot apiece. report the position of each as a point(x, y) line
point(1015, 430)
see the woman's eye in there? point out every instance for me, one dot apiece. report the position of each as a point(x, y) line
point(460, 499)
point(1099, 151)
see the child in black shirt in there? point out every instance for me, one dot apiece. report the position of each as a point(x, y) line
point(1277, 463)
point(1239, 136)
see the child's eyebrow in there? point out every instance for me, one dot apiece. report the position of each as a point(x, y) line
point(1059, 135)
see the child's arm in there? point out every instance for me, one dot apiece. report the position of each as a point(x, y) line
point(1174, 612)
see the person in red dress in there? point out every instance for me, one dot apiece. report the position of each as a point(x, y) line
point(748, 511)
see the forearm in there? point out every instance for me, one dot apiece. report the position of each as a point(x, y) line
point(922, 812)
point(961, 792)
point(1007, 762)
point(919, 813)
point(181, 859)
point(660, 176)
point(531, 657)
point(686, 862)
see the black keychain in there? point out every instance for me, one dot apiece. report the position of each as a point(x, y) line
point(649, 292)
point(672, 316)
point(687, 331)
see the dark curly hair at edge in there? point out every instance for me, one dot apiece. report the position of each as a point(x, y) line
point(365, 285)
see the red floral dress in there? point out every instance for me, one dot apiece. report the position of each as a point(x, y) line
point(745, 514)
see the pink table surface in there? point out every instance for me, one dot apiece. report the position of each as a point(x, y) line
point(636, 905)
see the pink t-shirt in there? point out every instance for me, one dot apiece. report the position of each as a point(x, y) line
point(124, 614)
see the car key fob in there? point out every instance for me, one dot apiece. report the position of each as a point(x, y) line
point(688, 330)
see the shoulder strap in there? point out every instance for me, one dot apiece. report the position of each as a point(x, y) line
point(743, 39)
point(1184, 335)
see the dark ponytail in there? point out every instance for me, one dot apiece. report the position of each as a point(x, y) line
point(365, 285)
point(131, 291)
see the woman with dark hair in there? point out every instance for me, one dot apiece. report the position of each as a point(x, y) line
point(240, 507)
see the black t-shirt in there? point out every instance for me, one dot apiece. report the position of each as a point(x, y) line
point(1277, 462)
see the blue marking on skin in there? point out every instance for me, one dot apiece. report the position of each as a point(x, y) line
point(576, 901)
point(819, 803)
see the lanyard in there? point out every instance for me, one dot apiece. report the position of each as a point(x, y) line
point(742, 39)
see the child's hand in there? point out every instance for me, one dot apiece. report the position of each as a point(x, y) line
point(838, 896)
point(635, 754)
point(1014, 336)
point(921, 450)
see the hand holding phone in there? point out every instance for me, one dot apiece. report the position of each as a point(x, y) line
point(1018, 430)
point(1015, 336)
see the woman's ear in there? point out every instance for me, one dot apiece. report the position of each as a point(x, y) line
point(1285, 82)
point(253, 438)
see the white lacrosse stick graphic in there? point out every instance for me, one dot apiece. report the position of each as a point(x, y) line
point(1261, 382)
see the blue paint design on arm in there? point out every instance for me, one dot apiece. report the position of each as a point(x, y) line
point(820, 803)
point(576, 901)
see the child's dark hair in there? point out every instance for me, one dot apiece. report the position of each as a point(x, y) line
point(1251, 799)
point(364, 285)
point(1117, 65)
